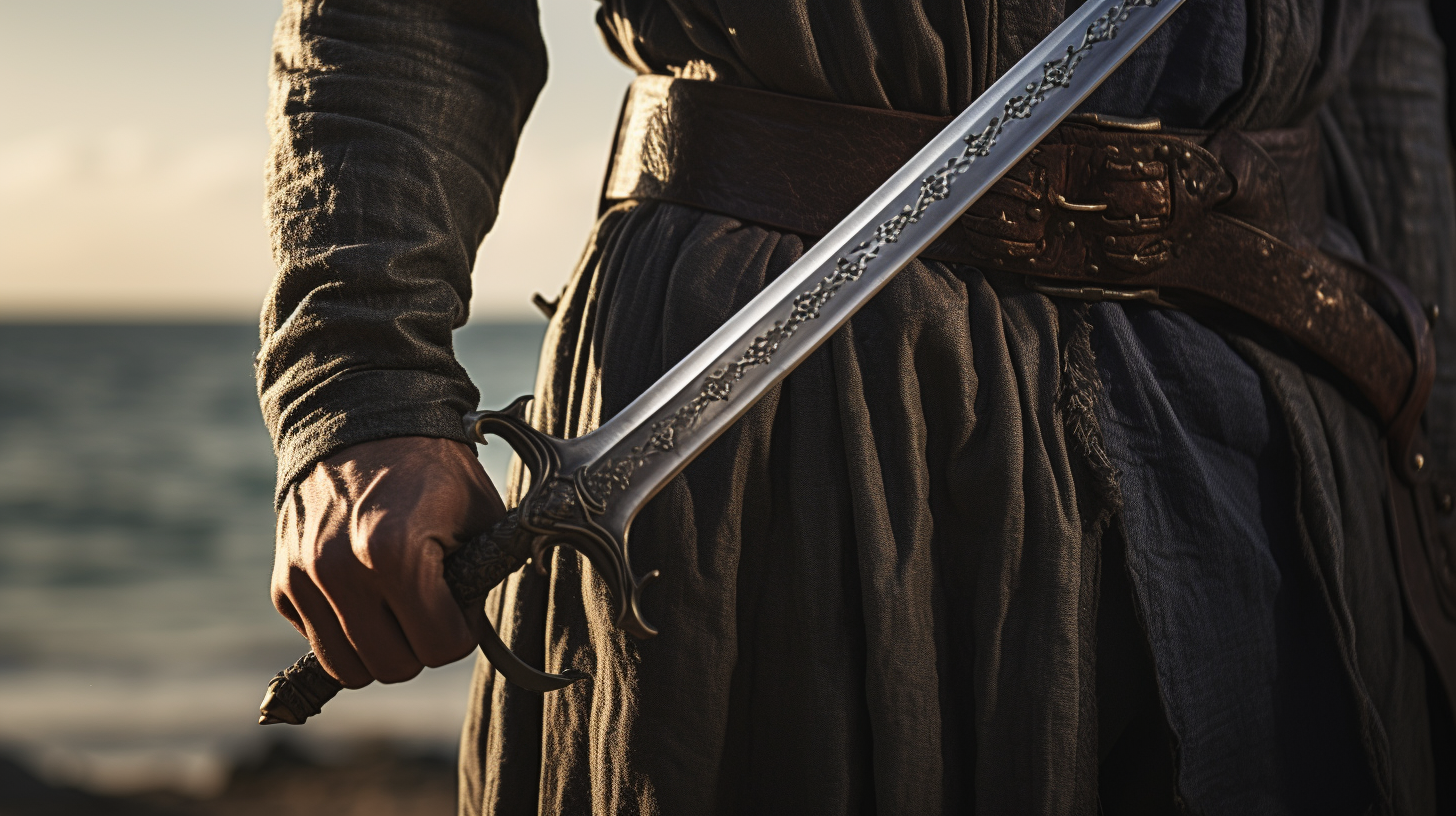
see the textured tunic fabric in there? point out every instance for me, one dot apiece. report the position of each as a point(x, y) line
point(879, 590)
point(1245, 657)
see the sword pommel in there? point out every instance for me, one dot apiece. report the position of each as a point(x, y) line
point(297, 693)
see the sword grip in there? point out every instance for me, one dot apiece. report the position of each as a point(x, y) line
point(301, 690)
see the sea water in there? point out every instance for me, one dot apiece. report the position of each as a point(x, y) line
point(136, 526)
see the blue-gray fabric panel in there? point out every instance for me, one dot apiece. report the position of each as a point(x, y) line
point(1186, 72)
point(1245, 656)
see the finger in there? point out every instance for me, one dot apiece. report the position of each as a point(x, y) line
point(287, 533)
point(325, 633)
point(296, 594)
point(406, 556)
point(353, 589)
point(377, 637)
point(431, 620)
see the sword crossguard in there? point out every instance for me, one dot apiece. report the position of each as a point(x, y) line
point(557, 509)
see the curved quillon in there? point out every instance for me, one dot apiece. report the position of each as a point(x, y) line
point(558, 509)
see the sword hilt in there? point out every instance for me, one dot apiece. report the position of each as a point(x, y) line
point(555, 510)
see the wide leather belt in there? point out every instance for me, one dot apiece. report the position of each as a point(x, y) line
point(1101, 209)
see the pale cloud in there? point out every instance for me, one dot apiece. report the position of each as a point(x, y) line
point(127, 223)
point(117, 201)
point(31, 165)
point(124, 163)
point(122, 222)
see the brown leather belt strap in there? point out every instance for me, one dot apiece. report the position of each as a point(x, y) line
point(1132, 209)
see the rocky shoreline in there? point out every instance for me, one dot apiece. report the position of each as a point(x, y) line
point(372, 779)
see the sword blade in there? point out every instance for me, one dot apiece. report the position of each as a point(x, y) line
point(633, 455)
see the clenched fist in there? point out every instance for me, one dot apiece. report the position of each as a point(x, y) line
point(357, 567)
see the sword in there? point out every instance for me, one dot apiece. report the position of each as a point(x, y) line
point(584, 492)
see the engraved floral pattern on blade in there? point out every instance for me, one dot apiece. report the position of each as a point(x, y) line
point(612, 476)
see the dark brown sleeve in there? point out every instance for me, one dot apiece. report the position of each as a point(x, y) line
point(393, 125)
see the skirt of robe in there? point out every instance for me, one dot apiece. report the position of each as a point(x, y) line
point(878, 591)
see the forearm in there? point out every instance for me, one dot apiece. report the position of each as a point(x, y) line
point(393, 127)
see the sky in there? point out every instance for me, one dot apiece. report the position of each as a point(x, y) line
point(132, 145)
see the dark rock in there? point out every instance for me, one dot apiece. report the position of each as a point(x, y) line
point(22, 793)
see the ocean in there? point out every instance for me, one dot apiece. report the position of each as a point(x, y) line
point(136, 525)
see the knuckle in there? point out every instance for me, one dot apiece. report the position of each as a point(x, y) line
point(383, 546)
point(284, 604)
point(379, 550)
point(282, 594)
point(391, 527)
point(332, 561)
point(290, 579)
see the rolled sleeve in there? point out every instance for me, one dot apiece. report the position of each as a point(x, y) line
point(393, 127)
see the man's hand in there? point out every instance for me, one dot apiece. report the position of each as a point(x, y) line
point(357, 567)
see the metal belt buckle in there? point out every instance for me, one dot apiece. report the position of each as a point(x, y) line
point(1098, 293)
